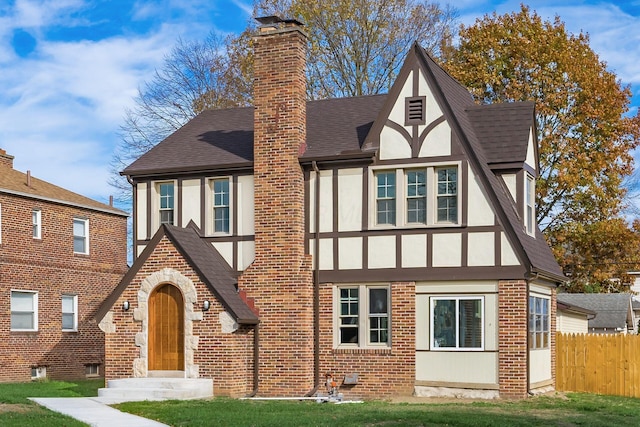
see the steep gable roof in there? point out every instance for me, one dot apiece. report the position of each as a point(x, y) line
point(19, 184)
point(211, 267)
point(612, 310)
point(457, 103)
point(223, 139)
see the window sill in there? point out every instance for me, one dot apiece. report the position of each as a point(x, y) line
point(24, 331)
point(81, 254)
point(362, 350)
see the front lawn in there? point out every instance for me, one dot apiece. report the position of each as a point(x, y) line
point(560, 410)
point(17, 410)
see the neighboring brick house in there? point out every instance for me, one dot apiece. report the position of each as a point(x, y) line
point(388, 240)
point(61, 254)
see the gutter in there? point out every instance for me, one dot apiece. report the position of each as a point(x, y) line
point(316, 286)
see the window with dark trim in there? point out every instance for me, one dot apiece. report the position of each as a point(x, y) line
point(166, 194)
point(220, 205)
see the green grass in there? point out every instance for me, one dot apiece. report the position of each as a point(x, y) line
point(570, 410)
point(17, 410)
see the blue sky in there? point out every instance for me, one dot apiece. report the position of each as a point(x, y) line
point(70, 68)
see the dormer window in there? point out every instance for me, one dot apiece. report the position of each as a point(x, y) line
point(415, 110)
point(530, 205)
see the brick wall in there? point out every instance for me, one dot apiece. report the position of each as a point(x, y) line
point(49, 267)
point(224, 356)
point(512, 339)
point(381, 372)
point(280, 279)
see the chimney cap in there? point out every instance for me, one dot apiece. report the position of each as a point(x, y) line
point(274, 19)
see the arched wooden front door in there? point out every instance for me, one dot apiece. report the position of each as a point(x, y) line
point(166, 329)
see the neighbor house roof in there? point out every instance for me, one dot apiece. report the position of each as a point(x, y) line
point(211, 267)
point(25, 185)
point(613, 311)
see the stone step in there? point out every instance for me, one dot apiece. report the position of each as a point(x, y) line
point(132, 389)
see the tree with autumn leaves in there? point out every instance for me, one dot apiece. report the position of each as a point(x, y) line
point(356, 48)
point(586, 139)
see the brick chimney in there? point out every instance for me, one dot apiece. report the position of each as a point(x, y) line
point(5, 159)
point(280, 278)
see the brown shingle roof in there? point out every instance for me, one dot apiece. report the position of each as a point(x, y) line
point(15, 182)
point(211, 267)
point(217, 139)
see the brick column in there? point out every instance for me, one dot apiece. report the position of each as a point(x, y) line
point(512, 339)
point(280, 278)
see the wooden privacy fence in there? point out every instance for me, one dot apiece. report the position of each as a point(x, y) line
point(596, 363)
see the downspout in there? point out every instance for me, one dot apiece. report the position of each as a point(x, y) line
point(316, 286)
point(256, 359)
point(528, 376)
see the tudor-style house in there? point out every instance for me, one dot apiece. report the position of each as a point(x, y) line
point(61, 254)
point(389, 241)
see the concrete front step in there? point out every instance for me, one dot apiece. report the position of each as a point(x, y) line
point(135, 389)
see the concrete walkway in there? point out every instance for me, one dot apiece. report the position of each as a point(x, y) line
point(94, 411)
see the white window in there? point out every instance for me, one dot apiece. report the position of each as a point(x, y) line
point(166, 193)
point(80, 236)
point(362, 316)
point(539, 330)
point(530, 203)
point(24, 311)
point(36, 220)
point(38, 372)
point(457, 323)
point(420, 196)
point(70, 313)
point(221, 205)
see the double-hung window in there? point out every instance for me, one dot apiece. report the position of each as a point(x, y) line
point(69, 313)
point(386, 197)
point(24, 311)
point(80, 235)
point(447, 195)
point(539, 335)
point(165, 191)
point(419, 196)
point(457, 323)
point(220, 205)
point(530, 200)
point(36, 220)
point(363, 316)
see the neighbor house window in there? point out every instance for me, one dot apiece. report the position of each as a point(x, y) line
point(447, 195)
point(539, 333)
point(69, 312)
point(386, 197)
point(220, 205)
point(426, 196)
point(530, 200)
point(24, 311)
point(165, 189)
point(457, 323)
point(363, 316)
point(36, 220)
point(80, 236)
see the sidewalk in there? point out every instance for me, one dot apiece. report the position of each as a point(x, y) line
point(94, 411)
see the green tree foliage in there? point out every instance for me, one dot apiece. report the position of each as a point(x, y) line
point(586, 138)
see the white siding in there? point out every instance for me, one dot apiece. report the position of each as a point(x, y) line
point(479, 208)
point(481, 249)
point(326, 201)
point(350, 199)
point(393, 145)
point(437, 142)
point(510, 182)
point(507, 254)
point(190, 202)
point(531, 156)
point(246, 254)
point(457, 367)
point(539, 365)
point(141, 211)
point(572, 323)
point(433, 111)
point(226, 250)
point(414, 250)
point(245, 205)
point(382, 251)
point(447, 250)
point(350, 253)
